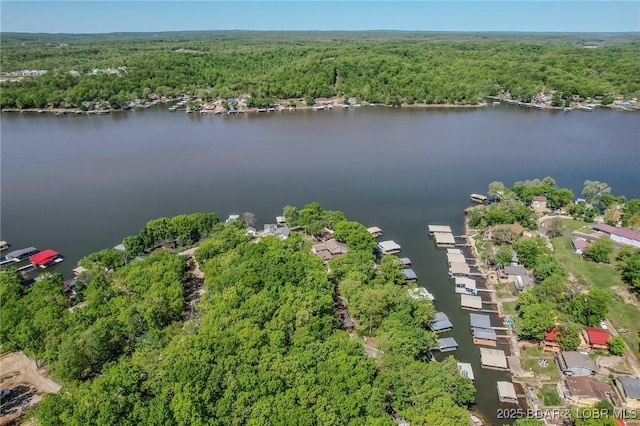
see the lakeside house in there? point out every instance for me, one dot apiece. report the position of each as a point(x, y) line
point(512, 231)
point(507, 392)
point(597, 338)
point(584, 391)
point(624, 236)
point(579, 244)
point(550, 342)
point(281, 221)
point(628, 390)
point(539, 204)
point(573, 363)
point(329, 249)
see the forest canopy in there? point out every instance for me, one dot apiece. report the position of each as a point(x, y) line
point(383, 67)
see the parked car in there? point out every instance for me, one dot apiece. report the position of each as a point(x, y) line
point(603, 325)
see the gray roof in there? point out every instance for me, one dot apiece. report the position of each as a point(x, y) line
point(21, 252)
point(440, 321)
point(405, 261)
point(480, 321)
point(458, 268)
point(571, 360)
point(515, 270)
point(409, 274)
point(283, 232)
point(447, 342)
point(484, 333)
point(631, 386)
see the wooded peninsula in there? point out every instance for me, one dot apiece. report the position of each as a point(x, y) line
point(112, 71)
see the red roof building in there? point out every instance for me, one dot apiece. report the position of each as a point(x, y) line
point(551, 341)
point(598, 338)
point(45, 257)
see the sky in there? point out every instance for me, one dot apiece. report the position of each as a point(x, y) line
point(453, 15)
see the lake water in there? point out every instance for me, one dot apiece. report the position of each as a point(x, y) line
point(78, 184)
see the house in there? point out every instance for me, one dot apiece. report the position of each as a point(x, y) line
point(329, 249)
point(446, 344)
point(440, 323)
point(282, 232)
point(579, 244)
point(232, 217)
point(585, 391)
point(466, 370)
point(251, 230)
point(511, 231)
point(550, 342)
point(573, 363)
point(628, 389)
point(539, 203)
point(624, 236)
point(389, 247)
point(493, 359)
point(269, 229)
point(507, 392)
point(409, 275)
point(513, 271)
point(597, 338)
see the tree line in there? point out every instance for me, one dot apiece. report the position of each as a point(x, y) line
point(389, 69)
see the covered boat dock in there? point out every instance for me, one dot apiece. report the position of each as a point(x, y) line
point(493, 359)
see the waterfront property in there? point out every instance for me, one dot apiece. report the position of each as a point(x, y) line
point(473, 303)
point(480, 321)
point(624, 236)
point(597, 338)
point(507, 392)
point(478, 198)
point(444, 229)
point(628, 390)
point(574, 363)
point(466, 370)
point(459, 269)
point(440, 323)
point(456, 258)
point(493, 359)
point(281, 221)
point(389, 247)
point(466, 286)
point(444, 240)
point(550, 342)
point(485, 337)
point(375, 231)
point(446, 344)
point(539, 204)
point(584, 391)
point(329, 249)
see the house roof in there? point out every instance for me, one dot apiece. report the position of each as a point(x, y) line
point(516, 228)
point(283, 231)
point(622, 232)
point(540, 198)
point(631, 386)
point(493, 358)
point(573, 359)
point(44, 256)
point(515, 270)
point(466, 370)
point(551, 336)
point(597, 336)
point(585, 386)
point(480, 320)
point(484, 333)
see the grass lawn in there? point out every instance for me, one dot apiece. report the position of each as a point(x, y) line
point(530, 358)
point(504, 290)
point(509, 308)
point(549, 395)
point(623, 315)
point(571, 225)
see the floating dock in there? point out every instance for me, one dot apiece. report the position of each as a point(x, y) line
point(493, 359)
point(440, 323)
point(485, 337)
point(389, 247)
point(507, 392)
point(409, 275)
point(466, 370)
point(473, 303)
point(447, 344)
point(442, 229)
point(375, 231)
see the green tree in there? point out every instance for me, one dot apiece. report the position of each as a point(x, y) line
point(617, 345)
point(503, 255)
point(599, 251)
point(590, 308)
point(631, 271)
point(536, 320)
point(593, 190)
point(555, 227)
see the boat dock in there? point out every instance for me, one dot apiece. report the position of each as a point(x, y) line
point(375, 231)
point(389, 247)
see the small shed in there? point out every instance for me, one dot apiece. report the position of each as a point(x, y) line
point(507, 392)
point(389, 247)
point(458, 268)
point(446, 344)
point(579, 244)
point(493, 359)
point(485, 337)
point(523, 282)
point(440, 323)
point(466, 370)
point(409, 275)
point(471, 302)
point(439, 229)
point(480, 321)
